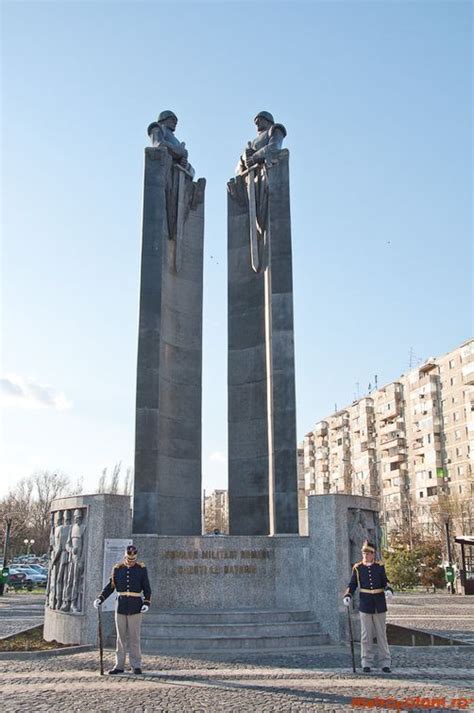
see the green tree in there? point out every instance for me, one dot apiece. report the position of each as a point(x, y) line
point(429, 556)
point(402, 568)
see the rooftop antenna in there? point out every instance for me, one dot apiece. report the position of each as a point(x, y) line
point(376, 382)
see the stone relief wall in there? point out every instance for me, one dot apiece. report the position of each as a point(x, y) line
point(362, 525)
point(65, 589)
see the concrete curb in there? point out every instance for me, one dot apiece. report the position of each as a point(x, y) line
point(28, 655)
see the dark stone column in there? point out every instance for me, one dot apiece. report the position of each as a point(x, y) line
point(247, 377)
point(167, 490)
point(261, 374)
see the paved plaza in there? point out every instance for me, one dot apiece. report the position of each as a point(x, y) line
point(423, 678)
point(19, 612)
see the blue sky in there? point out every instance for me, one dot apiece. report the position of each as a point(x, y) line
point(377, 101)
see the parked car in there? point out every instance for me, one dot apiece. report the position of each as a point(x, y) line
point(39, 568)
point(39, 580)
point(18, 580)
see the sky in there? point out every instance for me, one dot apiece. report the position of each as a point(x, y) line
point(377, 101)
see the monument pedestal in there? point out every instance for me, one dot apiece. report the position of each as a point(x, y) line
point(105, 516)
point(227, 592)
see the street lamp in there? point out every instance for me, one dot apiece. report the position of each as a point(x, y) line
point(28, 544)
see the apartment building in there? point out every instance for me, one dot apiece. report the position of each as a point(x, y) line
point(216, 512)
point(410, 443)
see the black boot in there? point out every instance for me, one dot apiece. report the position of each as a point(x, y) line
point(114, 671)
point(366, 669)
point(137, 671)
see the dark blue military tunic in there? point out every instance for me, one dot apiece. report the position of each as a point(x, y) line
point(129, 582)
point(372, 582)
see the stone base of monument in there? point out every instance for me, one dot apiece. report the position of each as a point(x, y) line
point(103, 516)
point(182, 632)
point(227, 593)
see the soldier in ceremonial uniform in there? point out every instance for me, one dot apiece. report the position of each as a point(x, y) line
point(129, 579)
point(374, 591)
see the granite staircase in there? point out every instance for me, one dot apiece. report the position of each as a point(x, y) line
point(186, 632)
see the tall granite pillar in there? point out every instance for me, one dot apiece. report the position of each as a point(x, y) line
point(261, 373)
point(167, 486)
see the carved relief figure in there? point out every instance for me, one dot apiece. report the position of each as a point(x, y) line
point(161, 133)
point(56, 522)
point(268, 141)
point(358, 532)
point(75, 580)
point(252, 166)
point(178, 199)
point(59, 560)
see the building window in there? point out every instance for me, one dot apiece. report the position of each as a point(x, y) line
point(460, 488)
point(457, 434)
point(456, 416)
point(452, 380)
point(458, 452)
point(430, 474)
point(460, 470)
point(421, 494)
point(432, 491)
point(451, 364)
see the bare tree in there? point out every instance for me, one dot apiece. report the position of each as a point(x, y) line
point(115, 479)
point(128, 481)
point(28, 505)
point(102, 486)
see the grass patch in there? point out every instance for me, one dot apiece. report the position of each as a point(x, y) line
point(37, 590)
point(31, 640)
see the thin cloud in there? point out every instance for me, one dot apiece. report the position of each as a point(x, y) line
point(217, 457)
point(27, 393)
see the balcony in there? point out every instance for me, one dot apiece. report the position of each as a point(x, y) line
point(468, 373)
point(393, 439)
point(321, 428)
point(340, 421)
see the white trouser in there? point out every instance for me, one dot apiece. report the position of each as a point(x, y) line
point(128, 626)
point(373, 625)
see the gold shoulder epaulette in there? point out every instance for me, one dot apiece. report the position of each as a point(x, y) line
point(357, 564)
point(119, 565)
point(141, 564)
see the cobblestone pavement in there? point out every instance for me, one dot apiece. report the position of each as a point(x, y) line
point(253, 682)
point(445, 614)
point(19, 612)
point(440, 678)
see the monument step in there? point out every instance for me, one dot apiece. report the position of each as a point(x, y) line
point(237, 616)
point(204, 630)
point(230, 643)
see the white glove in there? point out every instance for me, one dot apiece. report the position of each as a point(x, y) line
point(388, 595)
point(97, 603)
point(144, 608)
point(346, 601)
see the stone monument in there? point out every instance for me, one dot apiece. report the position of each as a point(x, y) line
point(167, 491)
point(263, 586)
point(261, 373)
